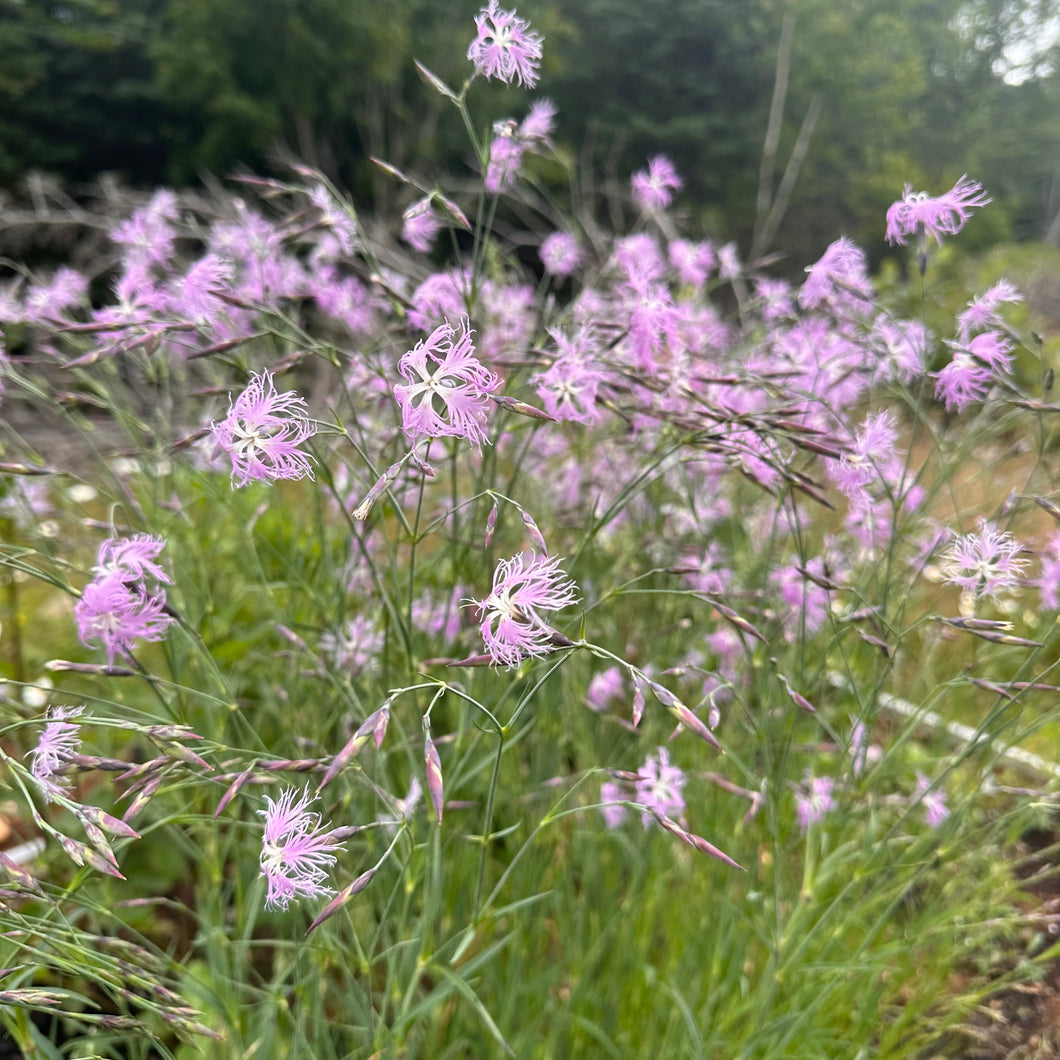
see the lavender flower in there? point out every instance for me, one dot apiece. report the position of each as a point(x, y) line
point(512, 141)
point(1048, 581)
point(58, 741)
point(505, 47)
point(693, 261)
point(811, 806)
point(296, 851)
point(448, 391)
point(568, 388)
point(982, 311)
point(841, 277)
point(262, 432)
point(962, 381)
point(604, 687)
point(560, 254)
point(653, 188)
point(506, 157)
point(982, 564)
point(420, 225)
point(917, 214)
point(659, 787)
point(934, 802)
point(132, 558)
point(116, 614)
point(611, 794)
point(355, 648)
point(148, 235)
point(511, 625)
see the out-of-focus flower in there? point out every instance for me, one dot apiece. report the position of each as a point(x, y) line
point(605, 687)
point(505, 47)
point(116, 614)
point(812, 805)
point(986, 563)
point(840, 278)
point(58, 741)
point(611, 794)
point(511, 625)
point(356, 647)
point(448, 388)
point(693, 261)
point(934, 802)
point(653, 188)
point(1048, 581)
point(659, 787)
point(262, 432)
point(975, 365)
point(511, 141)
point(560, 254)
point(296, 850)
point(117, 607)
point(148, 235)
point(982, 311)
point(568, 388)
point(196, 294)
point(918, 214)
point(420, 226)
point(133, 558)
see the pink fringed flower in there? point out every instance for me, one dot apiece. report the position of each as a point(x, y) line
point(262, 432)
point(560, 254)
point(693, 261)
point(296, 851)
point(505, 47)
point(116, 614)
point(934, 801)
point(812, 805)
point(58, 741)
point(659, 787)
point(974, 369)
point(511, 624)
point(511, 141)
point(448, 388)
point(841, 278)
point(918, 214)
point(986, 563)
point(653, 188)
point(982, 311)
point(420, 226)
point(133, 558)
point(117, 607)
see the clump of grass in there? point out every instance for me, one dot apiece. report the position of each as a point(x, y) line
point(422, 656)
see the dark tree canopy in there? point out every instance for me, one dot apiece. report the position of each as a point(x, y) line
point(788, 122)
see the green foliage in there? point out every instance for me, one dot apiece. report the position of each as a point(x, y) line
point(170, 89)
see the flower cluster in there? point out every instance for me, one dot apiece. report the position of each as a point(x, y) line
point(262, 432)
point(511, 625)
point(296, 851)
point(448, 388)
point(119, 606)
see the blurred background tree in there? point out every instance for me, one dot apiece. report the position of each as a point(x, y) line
point(789, 120)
